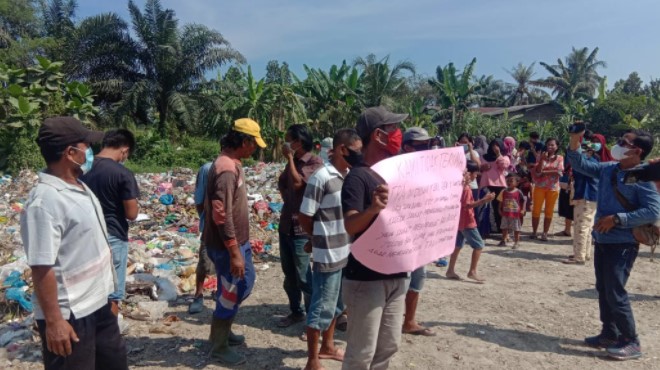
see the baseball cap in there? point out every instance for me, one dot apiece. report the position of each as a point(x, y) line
point(374, 117)
point(249, 127)
point(415, 134)
point(63, 131)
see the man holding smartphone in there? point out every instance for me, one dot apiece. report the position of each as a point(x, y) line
point(616, 247)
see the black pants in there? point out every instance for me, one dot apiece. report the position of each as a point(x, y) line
point(613, 263)
point(101, 346)
point(496, 209)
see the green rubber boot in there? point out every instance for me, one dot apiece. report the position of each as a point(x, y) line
point(220, 350)
point(235, 339)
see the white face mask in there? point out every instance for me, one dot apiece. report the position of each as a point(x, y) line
point(619, 152)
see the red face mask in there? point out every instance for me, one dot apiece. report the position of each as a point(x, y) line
point(394, 140)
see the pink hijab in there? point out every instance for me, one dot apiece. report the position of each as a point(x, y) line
point(509, 146)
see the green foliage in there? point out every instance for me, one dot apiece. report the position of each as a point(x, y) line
point(155, 154)
point(32, 94)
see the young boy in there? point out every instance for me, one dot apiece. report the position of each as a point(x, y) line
point(512, 209)
point(467, 226)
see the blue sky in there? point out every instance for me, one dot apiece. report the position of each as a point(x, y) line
point(499, 33)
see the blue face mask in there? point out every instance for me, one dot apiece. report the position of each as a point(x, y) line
point(596, 147)
point(89, 160)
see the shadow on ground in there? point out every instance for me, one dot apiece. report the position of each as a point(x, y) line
point(519, 340)
point(173, 352)
point(526, 255)
point(591, 294)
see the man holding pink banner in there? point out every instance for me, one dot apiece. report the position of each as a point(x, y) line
point(375, 300)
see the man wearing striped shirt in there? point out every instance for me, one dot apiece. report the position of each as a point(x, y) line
point(321, 216)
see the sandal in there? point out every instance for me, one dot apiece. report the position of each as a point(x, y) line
point(290, 320)
point(426, 332)
point(544, 237)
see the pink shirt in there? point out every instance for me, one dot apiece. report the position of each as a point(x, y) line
point(550, 182)
point(496, 175)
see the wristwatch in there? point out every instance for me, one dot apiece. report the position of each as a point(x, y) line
point(617, 220)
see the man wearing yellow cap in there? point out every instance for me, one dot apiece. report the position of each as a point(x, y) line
point(227, 234)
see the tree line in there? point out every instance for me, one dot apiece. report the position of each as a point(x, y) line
point(152, 72)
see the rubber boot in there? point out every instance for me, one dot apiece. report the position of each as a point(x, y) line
point(235, 339)
point(220, 350)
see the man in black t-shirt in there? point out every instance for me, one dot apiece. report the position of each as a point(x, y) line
point(115, 187)
point(375, 301)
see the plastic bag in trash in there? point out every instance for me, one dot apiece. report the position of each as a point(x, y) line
point(166, 199)
point(14, 280)
point(18, 295)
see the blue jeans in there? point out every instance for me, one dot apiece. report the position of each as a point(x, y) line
point(232, 291)
point(471, 236)
point(119, 250)
point(417, 278)
point(297, 273)
point(613, 263)
point(326, 303)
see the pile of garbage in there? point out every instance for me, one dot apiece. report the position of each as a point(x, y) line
point(163, 247)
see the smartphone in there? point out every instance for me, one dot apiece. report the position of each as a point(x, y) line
point(577, 127)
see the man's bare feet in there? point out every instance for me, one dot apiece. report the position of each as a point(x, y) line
point(476, 278)
point(335, 353)
point(453, 276)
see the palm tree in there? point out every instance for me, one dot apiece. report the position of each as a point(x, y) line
point(523, 92)
point(161, 67)
point(575, 78)
point(380, 81)
point(455, 91)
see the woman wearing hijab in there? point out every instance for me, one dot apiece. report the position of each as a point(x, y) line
point(494, 168)
point(510, 151)
point(481, 145)
point(547, 172)
point(601, 150)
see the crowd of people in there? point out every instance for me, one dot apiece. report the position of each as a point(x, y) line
point(75, 232)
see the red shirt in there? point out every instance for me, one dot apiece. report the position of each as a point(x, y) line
point(467, 220)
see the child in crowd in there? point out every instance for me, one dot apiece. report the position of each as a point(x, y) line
point(512, 209)
point(467, 226)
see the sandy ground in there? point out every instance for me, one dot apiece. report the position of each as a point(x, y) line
point(532, 313)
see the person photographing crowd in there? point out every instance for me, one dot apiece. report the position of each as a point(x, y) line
point(616, 247)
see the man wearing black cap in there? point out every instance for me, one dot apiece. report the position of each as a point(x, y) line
point(66, 245)
point(375, 300)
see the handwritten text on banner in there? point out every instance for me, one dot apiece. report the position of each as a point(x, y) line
point(420, 221)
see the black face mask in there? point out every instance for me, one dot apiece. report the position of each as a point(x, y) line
point(421, 147)
point(353, 158)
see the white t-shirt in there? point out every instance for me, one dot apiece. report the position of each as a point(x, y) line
point(62, 226)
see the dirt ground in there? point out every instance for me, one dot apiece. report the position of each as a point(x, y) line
point(532, 313)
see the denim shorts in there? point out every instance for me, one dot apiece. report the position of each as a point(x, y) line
point(326, 303)
point(417, 278)
point(471, 236)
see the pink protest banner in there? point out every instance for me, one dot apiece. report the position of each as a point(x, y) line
point(420, 221)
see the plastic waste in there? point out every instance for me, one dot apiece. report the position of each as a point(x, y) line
point(18, 295)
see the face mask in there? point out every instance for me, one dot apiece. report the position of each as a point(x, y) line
point(394, 140)
point(89, 160)
point(619, 152)
point(421, 147)
point(353, 158)
point(596, 147)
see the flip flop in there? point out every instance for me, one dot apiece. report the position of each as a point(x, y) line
point(337, 356)
point(425, 332)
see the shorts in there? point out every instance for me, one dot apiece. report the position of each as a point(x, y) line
point(326, 303)
point(511, 224)
point(471, 236)
point(205, 266)
point(417, 278)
